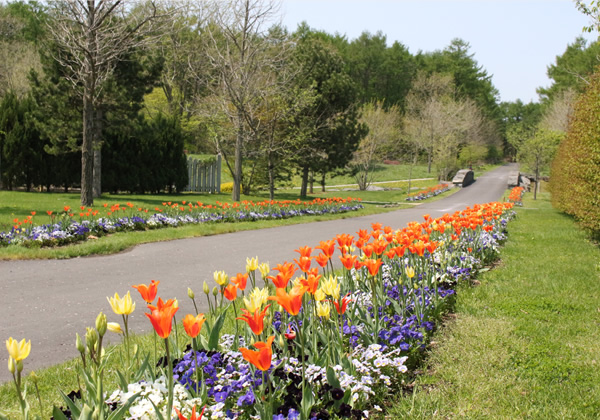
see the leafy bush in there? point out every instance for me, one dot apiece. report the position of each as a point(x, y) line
point(227, 187)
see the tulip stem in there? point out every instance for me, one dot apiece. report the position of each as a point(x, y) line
point(170, 377)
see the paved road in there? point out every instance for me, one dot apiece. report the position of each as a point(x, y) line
point(48, 301)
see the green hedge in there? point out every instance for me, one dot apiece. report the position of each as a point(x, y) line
point(575, 174)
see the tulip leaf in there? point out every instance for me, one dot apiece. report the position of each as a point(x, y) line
point(122, 411)
point(157, 413)
point(308, 400)
point(332, 378)
point(86, 413)
point(75, 411)
point(56, 413)
point(215, 333)
point(123, 383)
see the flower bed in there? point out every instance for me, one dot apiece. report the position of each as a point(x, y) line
point(428, 192)
point(65, 229)
point(516, 196)
point(327, 343)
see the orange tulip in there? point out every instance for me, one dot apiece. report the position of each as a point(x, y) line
point(363, 235)
point(193, 324)
point(344, 240)
point(261, 358)
point(240, 280)
point(291, 302)
point(162, 318)
point(304, 263)
point(379, 247)
point(310, 283)
point(286, 271)
point(418, 248)
point(373, 265)
point(368, 250)
point(328, 247)
point(255, 321)
point(230, 292)
point(193, 416)
point(348, 261)
point(148, 292)
point(304, 251)
point(342, 308)
point(322, 260)
point(160, 305)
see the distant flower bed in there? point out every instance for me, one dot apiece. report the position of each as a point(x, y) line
point(64, 228)
point(516, 195)
point(428, 192)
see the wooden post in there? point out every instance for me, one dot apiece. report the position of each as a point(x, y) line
point(218, 174)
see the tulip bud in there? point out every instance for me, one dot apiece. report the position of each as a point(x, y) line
point(34, 378)
point(11, 365)
point(79, 344)
point(264, 270)
point(215, 291)
point(205, 288)
point(135, 349)
point(101, 324)
point(175, 303)
point(91, 338)
point(191, 294)
point(19, 366)
point(280, 341)
point(114, 327)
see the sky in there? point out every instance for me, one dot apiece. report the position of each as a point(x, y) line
point(514, 40)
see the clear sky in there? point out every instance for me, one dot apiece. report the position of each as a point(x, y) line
point(514, 40)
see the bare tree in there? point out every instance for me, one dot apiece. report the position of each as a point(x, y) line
point(240, 54)
point(92, 36)
point(383, 129)
point(556, 116)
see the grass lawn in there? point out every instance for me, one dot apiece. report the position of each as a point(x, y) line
point(524, 343)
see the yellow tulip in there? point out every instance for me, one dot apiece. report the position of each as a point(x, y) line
point(121, 306)
point(323, 309)
point(114, 327)
point(221, 278)
point(11, 365)
point(251, 264)
point(331, 287)
point(18, 350)
point(410, 272)
point(264, 269)
point(319, 295)
point(256, 299)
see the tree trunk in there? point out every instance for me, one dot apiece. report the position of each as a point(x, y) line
point(97, 188)
point(304, 185)
point(537, 183)
point(271, 177)
point(87, 163)
point(237, 175)
point(311, 181)
point(429, 159)
point(323, 181)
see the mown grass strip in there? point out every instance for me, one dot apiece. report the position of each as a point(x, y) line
point(524, 343)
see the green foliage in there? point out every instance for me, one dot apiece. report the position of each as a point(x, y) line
point(576, 167)
point(156, 147)
point(572, 69)
point(471, 79)
point(517, 120)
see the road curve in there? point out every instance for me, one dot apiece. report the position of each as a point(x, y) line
point(48, 301)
